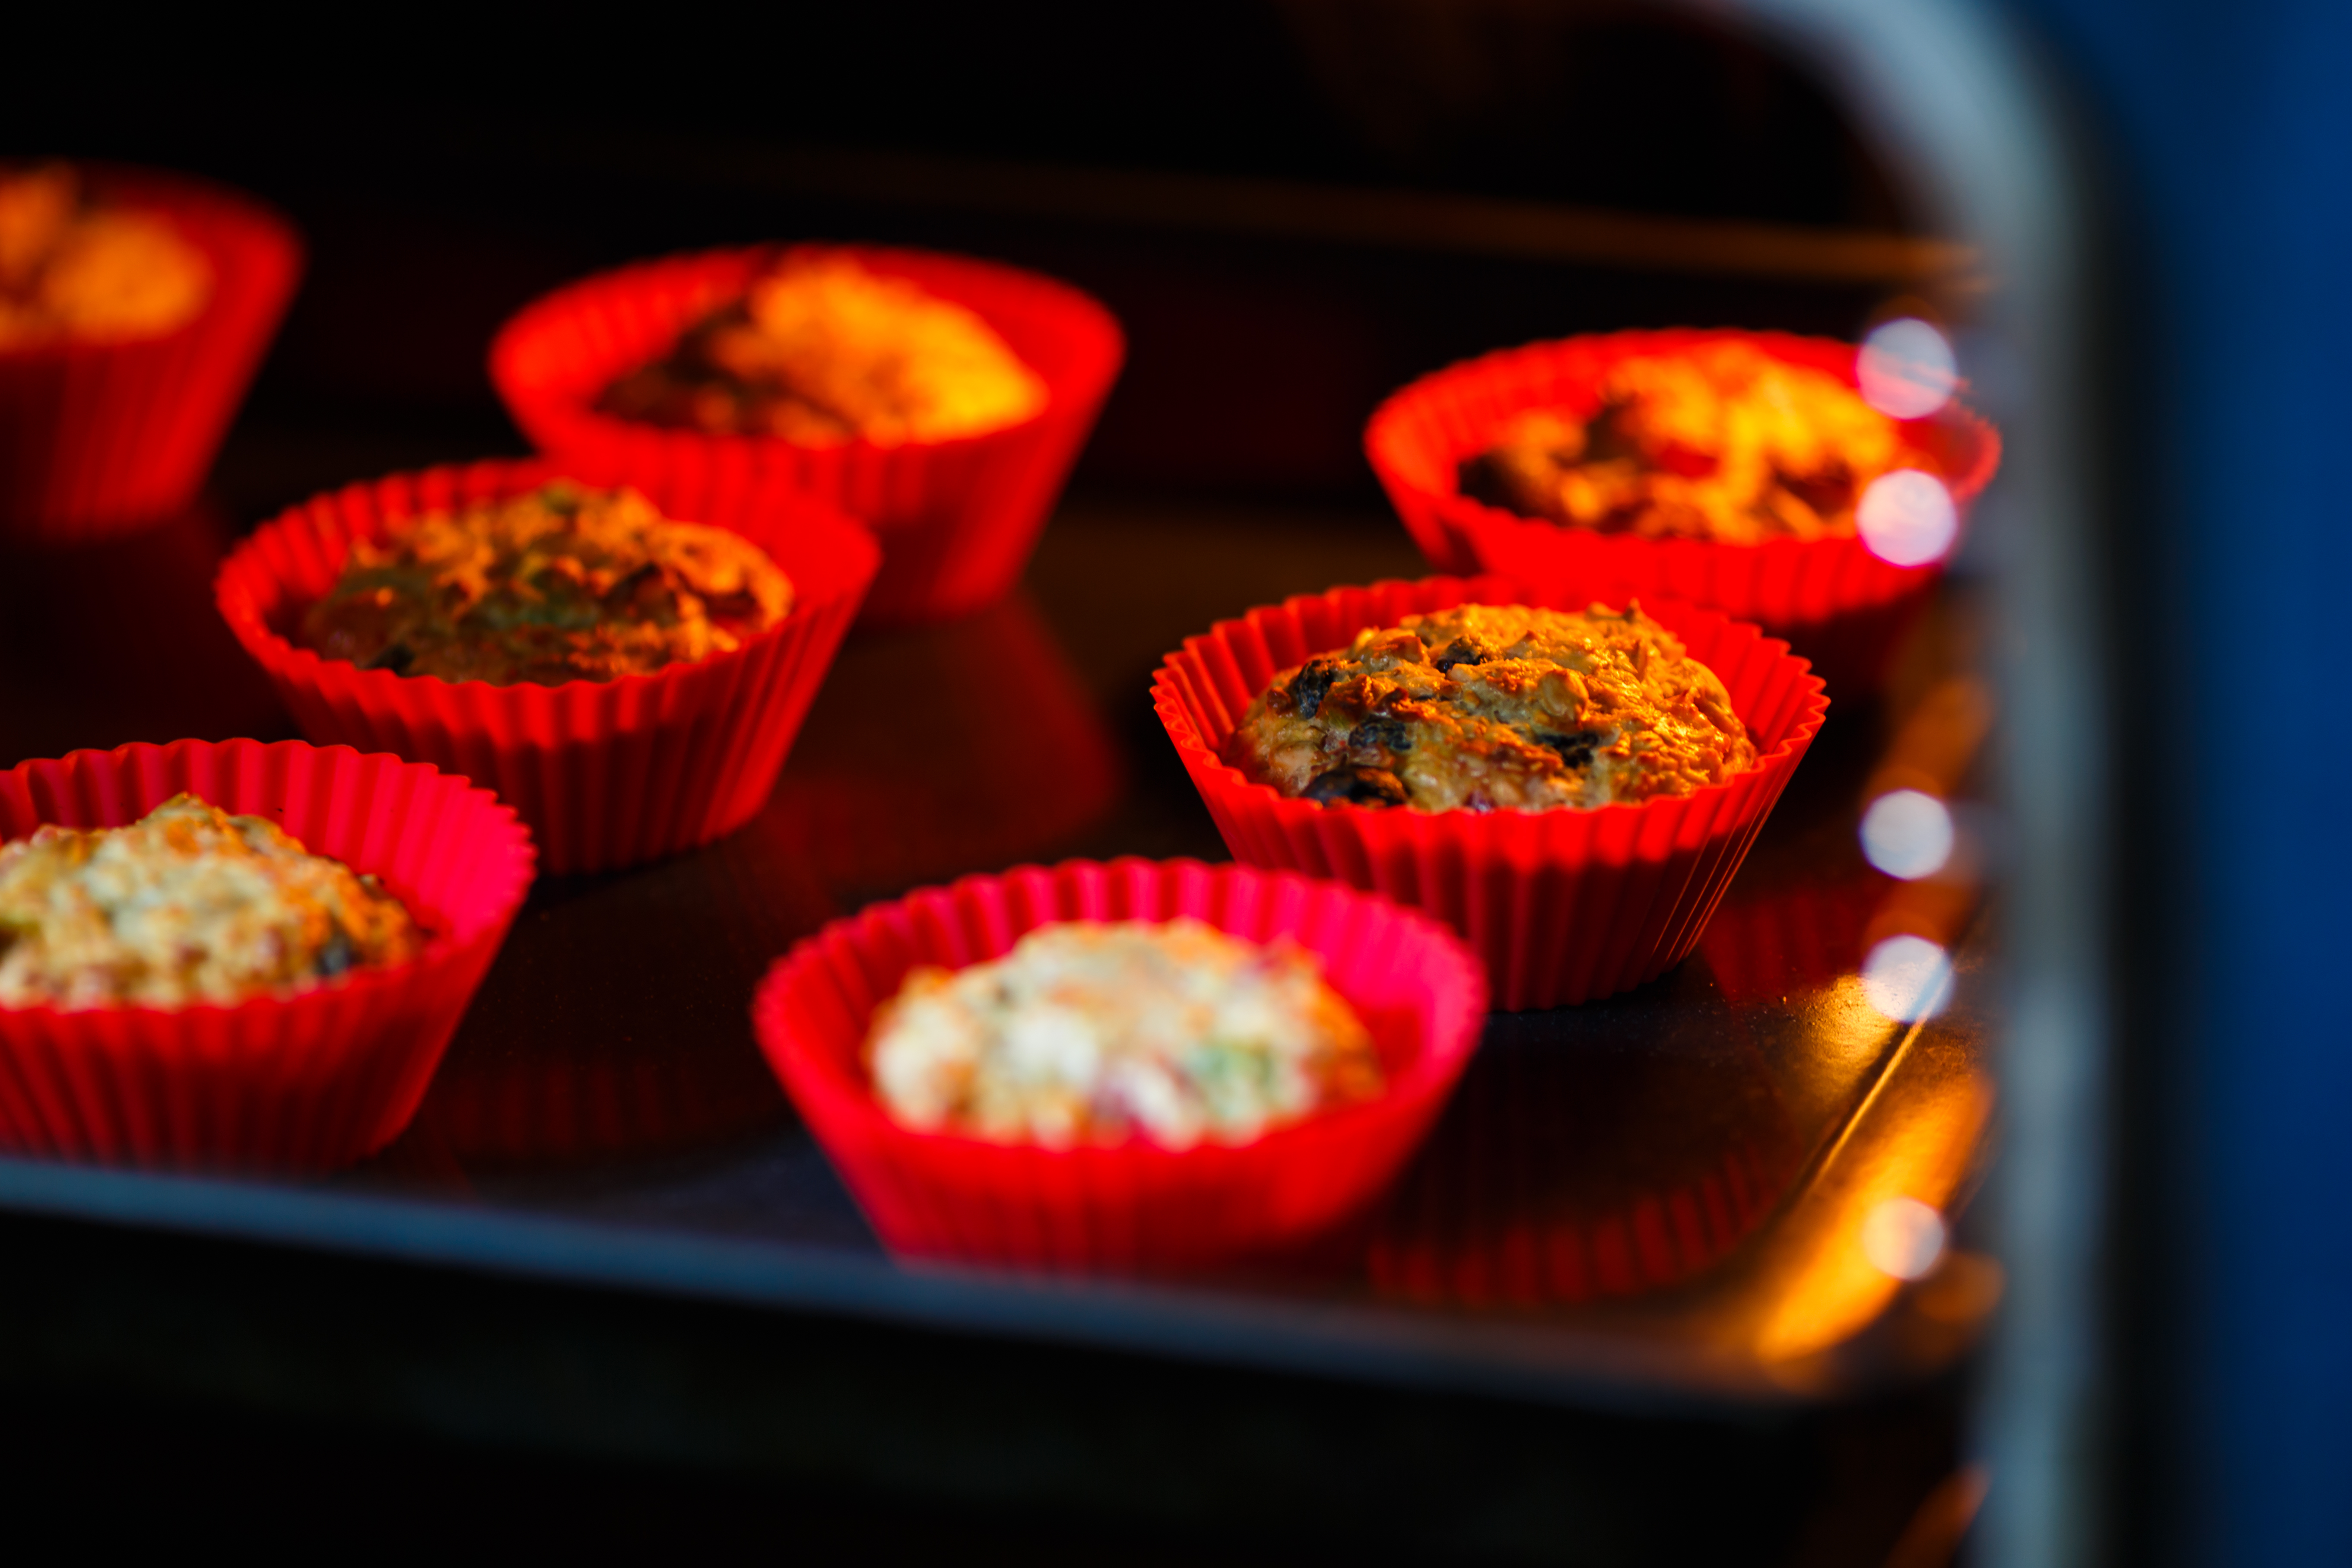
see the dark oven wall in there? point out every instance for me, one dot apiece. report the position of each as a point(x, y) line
point(1293, 207)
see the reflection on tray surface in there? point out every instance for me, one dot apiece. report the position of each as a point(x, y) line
point(614, 1025)
point(117, 641)
point(941, 750)
point(1596, 1160)
point(1593, 1151)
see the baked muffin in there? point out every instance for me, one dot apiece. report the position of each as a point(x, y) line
point(1721, 441)
point(820, 351)
point(1484, 708)
point(1092, 1033)
point(74, 269)
point(559, 583)
point(186, 905)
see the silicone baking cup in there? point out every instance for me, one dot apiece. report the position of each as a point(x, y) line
point(1131, 1207)
point(1835, 602)
point(605, 773)
point(307, 1080)
point(957, 519)
point(1563, 906)
point(101, 438)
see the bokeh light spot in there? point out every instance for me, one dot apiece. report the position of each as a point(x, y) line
point(1907, 516)
point(1905, 368)
point(1904, 1238)
point(1908, 978)
point(1907, 834)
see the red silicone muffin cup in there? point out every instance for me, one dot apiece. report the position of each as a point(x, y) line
point(605, 773)
point(1132, 1207)
point(957, 519)
point(1832, 600)
point(1563, 906)
point(103, 437)
point(309, 1081)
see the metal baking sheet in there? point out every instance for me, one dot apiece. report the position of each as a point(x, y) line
point(1652, 1200)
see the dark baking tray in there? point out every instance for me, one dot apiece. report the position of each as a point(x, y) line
point(1649, 1201)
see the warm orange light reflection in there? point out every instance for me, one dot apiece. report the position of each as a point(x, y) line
point(1904, 1237)
point(1843, 1025)
point(1939, 741)
point(1908, 978)
point(1840, 1288)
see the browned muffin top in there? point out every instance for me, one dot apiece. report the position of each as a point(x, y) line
point(819, 350)
point(74, 267)
point(1721, 441)
point(559, 584)
point(1482, 707)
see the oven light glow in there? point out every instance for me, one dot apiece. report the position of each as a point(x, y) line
point(1907, 516)
point(1907, 834)
point(1905, 368)
point(1904, 1237)
point(1908, 978)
